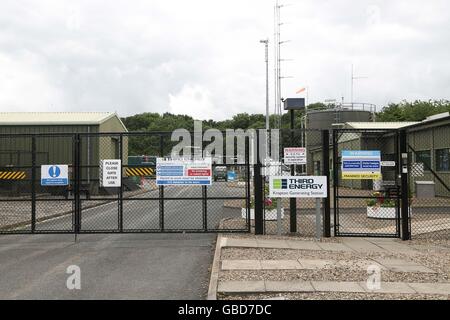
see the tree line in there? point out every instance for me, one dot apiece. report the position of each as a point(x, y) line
point(402, 111)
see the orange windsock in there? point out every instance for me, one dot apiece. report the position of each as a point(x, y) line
point(300, 90)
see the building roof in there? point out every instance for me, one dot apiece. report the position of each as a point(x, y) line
point(54, 118)
point(379, 125)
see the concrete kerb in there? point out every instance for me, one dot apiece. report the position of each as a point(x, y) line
point(215, 269)
point(267, 286)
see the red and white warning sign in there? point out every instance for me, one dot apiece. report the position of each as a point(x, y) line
point(294, 155)
point(198, 172)
point(183, 172)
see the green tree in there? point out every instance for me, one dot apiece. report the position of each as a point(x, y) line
point(412, 111)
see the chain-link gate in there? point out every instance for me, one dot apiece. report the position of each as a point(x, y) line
point(138, 205)
point(298, 215)
point(367, 192)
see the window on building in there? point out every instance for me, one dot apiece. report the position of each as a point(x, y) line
point(443, 160)
point(424, 156)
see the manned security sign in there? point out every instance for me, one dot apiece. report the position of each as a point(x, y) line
point(361, 164)
point(294, 155)
point(110, 173)
point(183, 172)
point(55, 175)
point(298, 186)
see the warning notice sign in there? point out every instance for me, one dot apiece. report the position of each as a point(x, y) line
point(294, 155)
point(183, 172)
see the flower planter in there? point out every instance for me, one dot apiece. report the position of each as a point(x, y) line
point(269, 214)
point(383, 212)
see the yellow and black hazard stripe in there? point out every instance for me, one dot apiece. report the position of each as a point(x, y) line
point(12, 175)
point(140, 172)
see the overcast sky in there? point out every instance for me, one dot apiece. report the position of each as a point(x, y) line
point(203, 57)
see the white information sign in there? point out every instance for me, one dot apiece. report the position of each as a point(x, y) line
point(183, 172)
point(294, 155)
point(55, 175)
point(388, 163)
point(111, 173)
point(298, 187)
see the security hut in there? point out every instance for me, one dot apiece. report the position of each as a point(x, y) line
point(54, 144)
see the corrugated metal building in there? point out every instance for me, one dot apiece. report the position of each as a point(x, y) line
point(17, 150)
point(430, 140)
point(54, 142)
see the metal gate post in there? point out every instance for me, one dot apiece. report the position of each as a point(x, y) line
point(292, 201)
point(335, 182)
point(161, 188)
point(121, 184)
point(248, 192)
point(76, 185)
point(326, 172)
point(205, 208)
point(33, 184)
point(258, 185)
point(404, 192)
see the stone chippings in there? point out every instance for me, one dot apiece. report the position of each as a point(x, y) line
point(432, 254)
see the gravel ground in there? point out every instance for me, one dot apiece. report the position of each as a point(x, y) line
point(437, 237)
point(335, 274)
point(437, 260)
point(334, 296)
point(293, 236)
point(433, 253)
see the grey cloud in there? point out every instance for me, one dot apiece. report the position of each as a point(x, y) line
point(142, 56)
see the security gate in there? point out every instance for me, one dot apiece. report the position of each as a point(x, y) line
point(137, 206)
point(367, 183)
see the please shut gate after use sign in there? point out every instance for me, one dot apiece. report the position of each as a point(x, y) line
point(110, 173)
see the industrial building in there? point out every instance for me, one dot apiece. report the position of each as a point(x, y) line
point(17, 150)
point(54, 142)
point(428, 140)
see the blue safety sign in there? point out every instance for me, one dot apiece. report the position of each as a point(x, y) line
point(55, 175)
point(231, 176)
point(361, 164)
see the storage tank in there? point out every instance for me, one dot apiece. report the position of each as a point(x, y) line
point(339, 114)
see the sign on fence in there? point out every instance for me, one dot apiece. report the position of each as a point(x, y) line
point(294, 155)
point(55, 175)
point(110, 173)
point(231, 176)
point(183, 172)
point(361, 164)
point(298, 186)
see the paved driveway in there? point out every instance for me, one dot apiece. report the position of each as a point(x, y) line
point(127, 266)
point(119, 266)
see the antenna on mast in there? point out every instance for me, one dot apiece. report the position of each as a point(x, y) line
point(277, 59)
point(354, 78)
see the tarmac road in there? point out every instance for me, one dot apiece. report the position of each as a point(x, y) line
point(145, 214)
point(117, 266)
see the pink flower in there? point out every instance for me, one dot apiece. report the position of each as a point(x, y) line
point(268, 202)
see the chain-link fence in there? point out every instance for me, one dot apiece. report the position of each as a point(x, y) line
point(429, 182)
point(84, 204)
point(277, 211)
point(362, 206)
